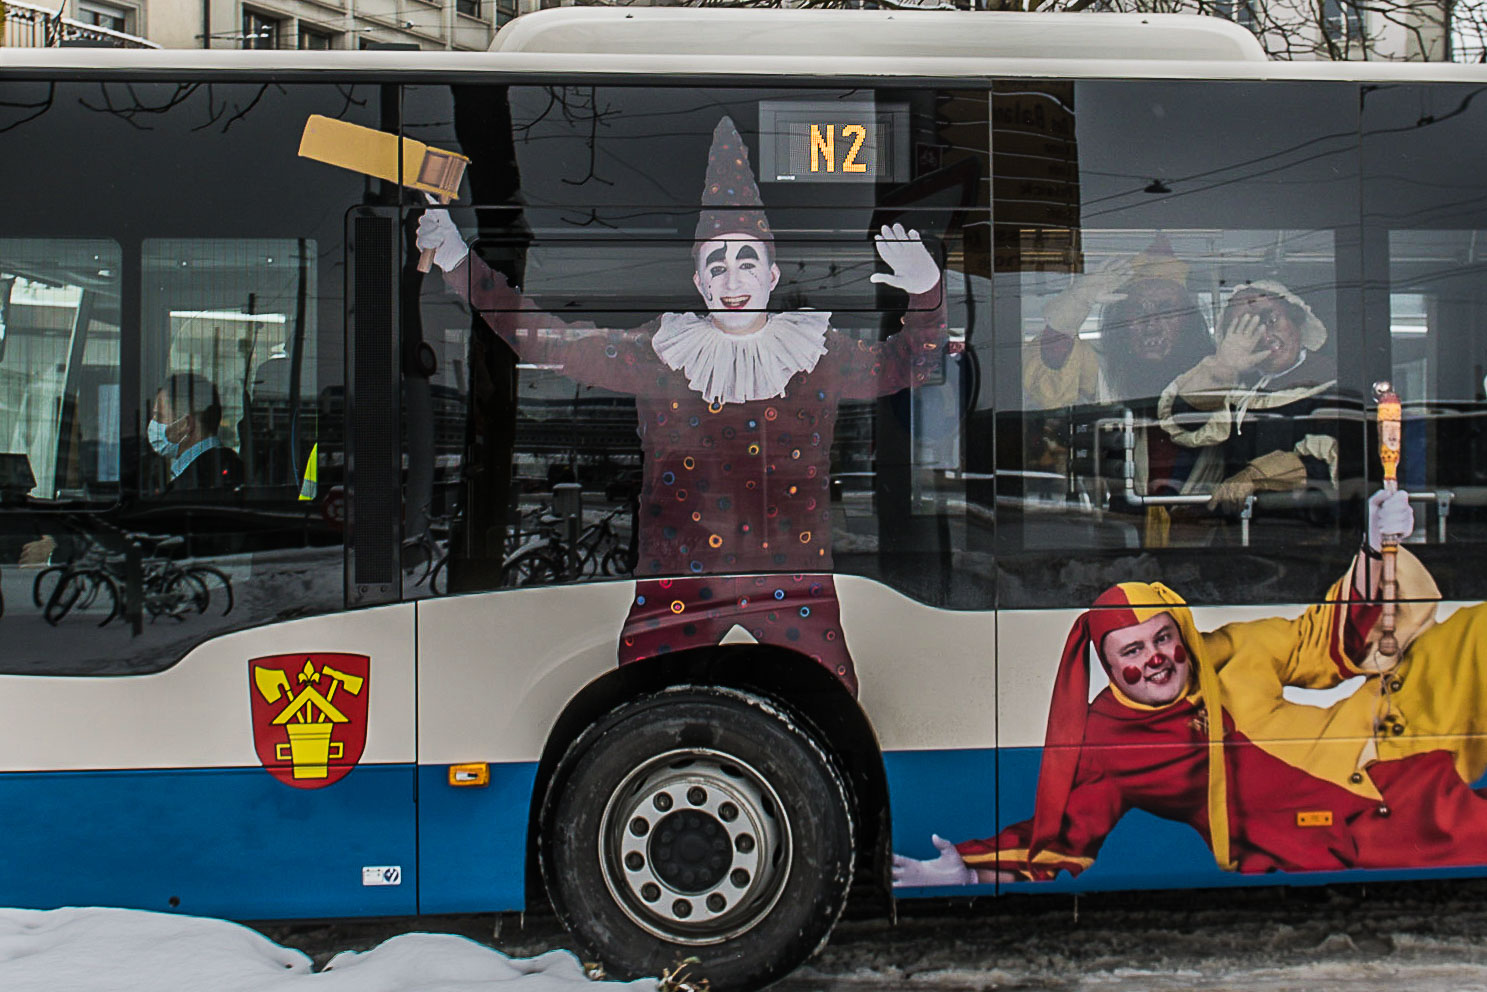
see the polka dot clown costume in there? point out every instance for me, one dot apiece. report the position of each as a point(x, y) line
point(737, 409)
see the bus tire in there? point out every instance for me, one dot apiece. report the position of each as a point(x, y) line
point(698, 823)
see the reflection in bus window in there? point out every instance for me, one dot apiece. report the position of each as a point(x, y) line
point(742, 377)
point(59, 375)
point(1175, 305)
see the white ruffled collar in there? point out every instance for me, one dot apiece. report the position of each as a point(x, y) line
point(737, 368)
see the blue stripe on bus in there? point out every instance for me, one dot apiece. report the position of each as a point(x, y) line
point(932, 790)
point(474, 839)
point(221, 842)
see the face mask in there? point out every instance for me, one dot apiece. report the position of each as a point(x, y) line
point(155, 433)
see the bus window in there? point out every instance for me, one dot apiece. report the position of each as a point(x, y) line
point(59, 372)
point(1425, 232)
point(172, 369)
point(639, 439)
point(1173, 309)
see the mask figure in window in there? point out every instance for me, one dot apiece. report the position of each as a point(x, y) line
point(184, 420)
point(1195, 728)
point(737, 408)
point(1151, 330)
point(1250, 410)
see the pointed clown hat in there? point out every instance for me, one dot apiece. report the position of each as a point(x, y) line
point(1123, 605)
point(730, 196)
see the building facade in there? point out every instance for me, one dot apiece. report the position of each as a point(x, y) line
point(455, 25)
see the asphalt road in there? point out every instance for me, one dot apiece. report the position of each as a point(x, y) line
point(1423, 938)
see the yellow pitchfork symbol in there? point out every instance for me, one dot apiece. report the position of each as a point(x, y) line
point(310, 748)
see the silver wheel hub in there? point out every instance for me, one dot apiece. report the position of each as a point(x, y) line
point(695, 846)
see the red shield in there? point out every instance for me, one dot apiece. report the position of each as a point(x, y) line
point(309, 715)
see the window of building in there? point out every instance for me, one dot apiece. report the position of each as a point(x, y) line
point(470, 8)
point(106, 15)
point(259, 30)
point(314, 39)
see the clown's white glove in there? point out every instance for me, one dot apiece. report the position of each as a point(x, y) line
point(947, 869)
point(914, 268)
point(437, 231)
point(1389, 514)
point(1068, 311)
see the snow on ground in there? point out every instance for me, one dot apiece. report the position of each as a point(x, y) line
point(119, 950)
point(1427, 937)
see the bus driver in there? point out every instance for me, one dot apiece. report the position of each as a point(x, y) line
point(736, 413)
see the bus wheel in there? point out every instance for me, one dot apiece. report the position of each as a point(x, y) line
point(698, 823)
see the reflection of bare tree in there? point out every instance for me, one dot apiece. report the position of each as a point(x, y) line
point(38, 108)
point(124, 101)
point(577, 105)
point(1418, 30)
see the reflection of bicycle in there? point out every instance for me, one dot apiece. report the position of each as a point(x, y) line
point(433, 548)
point(545, 558)
point(168, 587)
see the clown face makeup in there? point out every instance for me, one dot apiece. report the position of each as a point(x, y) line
point(1148, 661)
point(735, 277)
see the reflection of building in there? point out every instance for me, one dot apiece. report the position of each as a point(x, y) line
point(460, 25)
point(26, 25)
point(1035, 162)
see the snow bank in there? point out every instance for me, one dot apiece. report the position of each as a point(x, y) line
point(120, 950)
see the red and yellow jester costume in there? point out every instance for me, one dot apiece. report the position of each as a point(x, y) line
point(729, 488)
point(1271, 784)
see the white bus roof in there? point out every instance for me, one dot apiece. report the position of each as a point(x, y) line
point(876, 34)
point(660, 45)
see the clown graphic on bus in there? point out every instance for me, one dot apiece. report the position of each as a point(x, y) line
point(737, 408)
point(1194, 727)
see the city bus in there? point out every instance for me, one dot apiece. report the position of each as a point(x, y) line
point(686, 467)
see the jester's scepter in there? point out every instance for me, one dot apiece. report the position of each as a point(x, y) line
point(1389, 413)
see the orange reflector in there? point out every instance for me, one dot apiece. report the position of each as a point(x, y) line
point(1314, 818)
point(474, 773)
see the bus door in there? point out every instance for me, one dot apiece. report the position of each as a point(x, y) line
point(206, 703)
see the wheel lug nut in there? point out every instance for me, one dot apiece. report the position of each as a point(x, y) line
point(650, 892)
point(639, 827)
point(634, 861)
point(682, 908)
point(716, 902)
point(696, 795)
point(662, 801)
point(728, 812)
point(739, 878)
point(744, 843)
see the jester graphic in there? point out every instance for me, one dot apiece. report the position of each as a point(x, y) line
point(1194, 728)
point(737, 407)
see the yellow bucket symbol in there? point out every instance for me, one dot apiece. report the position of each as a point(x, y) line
point(310, 749)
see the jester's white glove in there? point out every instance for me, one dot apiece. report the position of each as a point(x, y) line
point(437, 231)
point(1067, 311)
point(947, 869)
point(1389, 514)
point(914, 268)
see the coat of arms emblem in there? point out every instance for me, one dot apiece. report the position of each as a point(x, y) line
point(309, 715)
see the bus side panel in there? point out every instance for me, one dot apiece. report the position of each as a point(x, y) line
point(928, 686)
point(495, 671)
point(135, 790)
point(221, 842)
